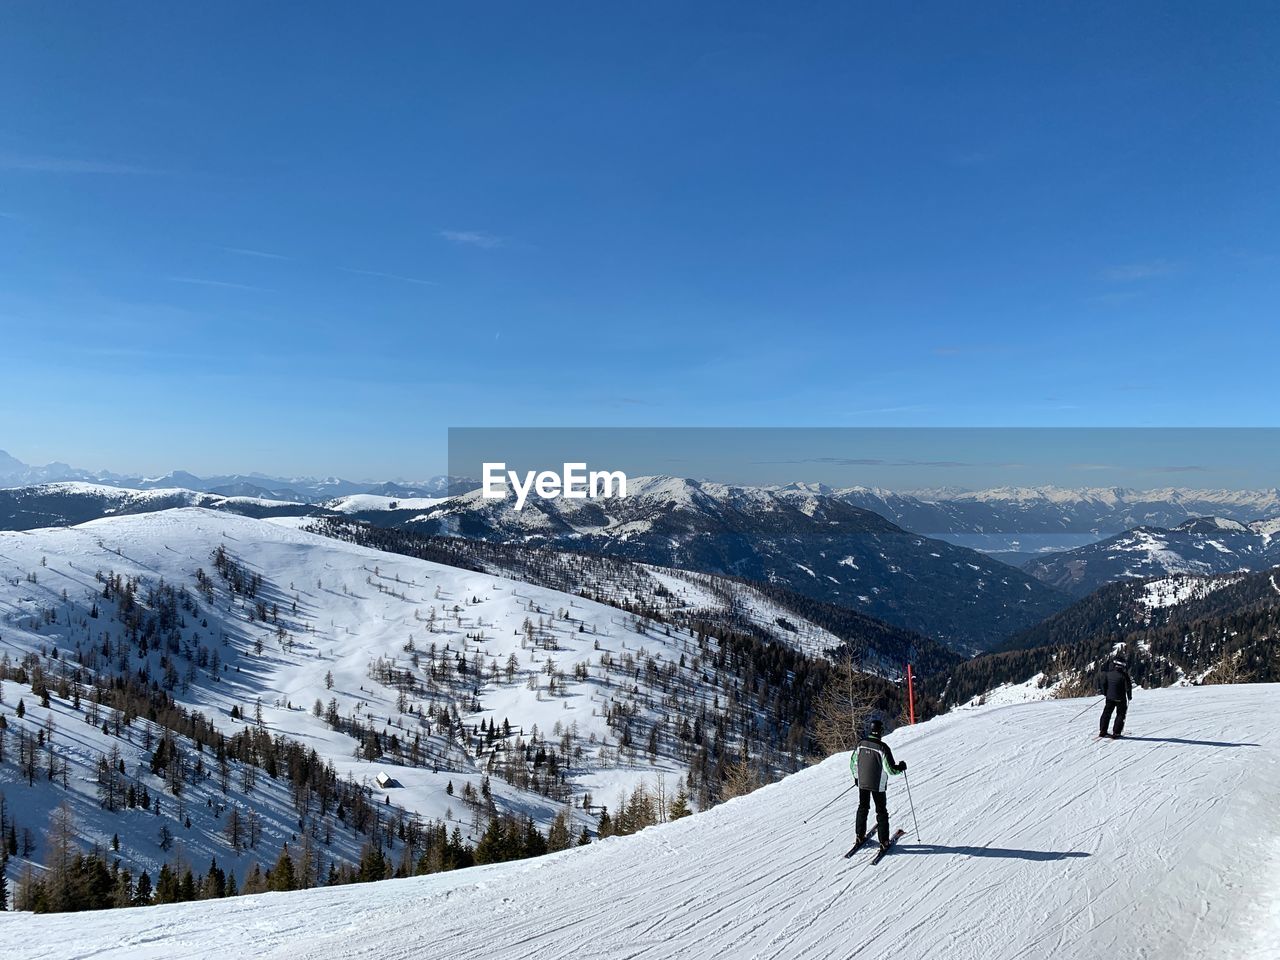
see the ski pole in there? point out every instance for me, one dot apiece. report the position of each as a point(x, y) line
point(828, 803)
point(907, 781)
point(1092, 706)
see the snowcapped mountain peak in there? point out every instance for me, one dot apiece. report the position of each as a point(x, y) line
point(1201, 546)
point(1268, 530)
point(1210, 524)
point(800, 486)
point(665, 486)
point(1048, 494)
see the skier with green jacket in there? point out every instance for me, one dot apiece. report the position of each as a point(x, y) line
point(871, 763)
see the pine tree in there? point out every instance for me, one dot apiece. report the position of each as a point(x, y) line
point(558, 837)
point(373, 865)
point(282, 875)
point(142, 893)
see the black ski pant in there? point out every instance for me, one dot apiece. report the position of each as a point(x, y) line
point(882, 813)
point(1121, 707)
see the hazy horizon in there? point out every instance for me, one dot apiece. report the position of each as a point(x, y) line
point(219, 250)
point(901, 460)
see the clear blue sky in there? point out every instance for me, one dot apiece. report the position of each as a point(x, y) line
point(308, 238)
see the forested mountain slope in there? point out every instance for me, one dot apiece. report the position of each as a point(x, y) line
point(1175, 630)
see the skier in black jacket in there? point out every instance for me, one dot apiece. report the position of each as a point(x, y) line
point(871, 763)
point(1116, 685)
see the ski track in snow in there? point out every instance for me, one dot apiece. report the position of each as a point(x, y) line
point(1036, 841)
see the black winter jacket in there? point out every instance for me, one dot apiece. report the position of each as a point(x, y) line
point(871, 763)
point(1115, 683)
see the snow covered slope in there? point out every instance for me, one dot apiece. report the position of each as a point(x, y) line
point(72, 502)
point(1035, 841)
point(365, 502)
point(1203, 546)
point(815, 544)
point(417, 654)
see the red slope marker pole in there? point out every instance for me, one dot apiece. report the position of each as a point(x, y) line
point(911, 695)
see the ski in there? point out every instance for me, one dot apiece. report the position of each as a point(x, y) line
point(881, 852)
point(854, 848)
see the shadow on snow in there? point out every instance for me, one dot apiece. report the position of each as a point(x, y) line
point(1000, 852)
point(1187, 743)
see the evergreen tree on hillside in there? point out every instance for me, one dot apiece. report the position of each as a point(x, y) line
point(373, 864)
point(142, 893)
point(680, 805)
point(282, 875)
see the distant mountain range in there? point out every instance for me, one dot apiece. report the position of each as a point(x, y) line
point(812, 542)
point(1032, 520)
point(15, 473)
point(1204, 546)
point(73, 502)
point(927, 561)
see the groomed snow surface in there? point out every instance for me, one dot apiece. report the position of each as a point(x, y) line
point(1036, 840)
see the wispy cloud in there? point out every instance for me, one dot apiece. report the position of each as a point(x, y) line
point(390, 276)
point(260, 254)
point(874, 462)
point(1131, 272)
point(1175, 468)
point(1114, 298)
point(204, 282)
point(972, 349)
point(473, 238)
point(35, 163)
point(909, 408)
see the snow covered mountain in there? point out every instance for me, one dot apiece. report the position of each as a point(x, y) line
point(1034, 841)
point(15, 473)
point(72, 502)
point(813, 543)
point(1205, 545)
point(770, 612)
point(1034, 520)
point(476, 694)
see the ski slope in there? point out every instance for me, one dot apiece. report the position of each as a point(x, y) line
point(1036, 840)
point(342, 608)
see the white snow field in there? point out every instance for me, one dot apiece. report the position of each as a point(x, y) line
point(345, 607)
point(1036, 840)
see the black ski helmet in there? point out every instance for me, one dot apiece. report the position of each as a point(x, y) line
point(875, 728)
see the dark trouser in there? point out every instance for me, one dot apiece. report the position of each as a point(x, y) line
point(882, 813)
point(1121, 707)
